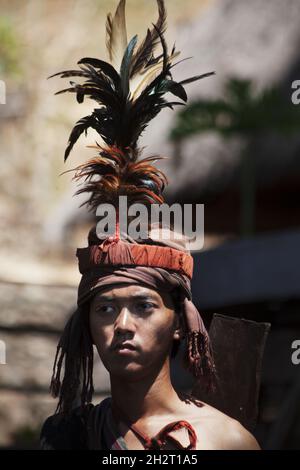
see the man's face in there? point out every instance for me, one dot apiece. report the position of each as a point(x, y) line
point(133, 328)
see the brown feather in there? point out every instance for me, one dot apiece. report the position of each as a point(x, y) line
point(146, 49)
point(113, 173)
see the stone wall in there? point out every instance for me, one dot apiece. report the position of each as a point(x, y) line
point(31, 318)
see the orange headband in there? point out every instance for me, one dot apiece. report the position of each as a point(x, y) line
point(117, 252)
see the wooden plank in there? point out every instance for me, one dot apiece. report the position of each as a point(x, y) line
point(238, 347)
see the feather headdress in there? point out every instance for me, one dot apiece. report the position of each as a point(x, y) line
point(130, 91)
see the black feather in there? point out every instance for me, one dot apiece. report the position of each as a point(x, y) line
point(145, 53)
point(81, 126)
point(198, 77)
point(125, 66)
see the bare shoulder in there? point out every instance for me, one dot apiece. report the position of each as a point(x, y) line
point(237, 437)
point(219, 431)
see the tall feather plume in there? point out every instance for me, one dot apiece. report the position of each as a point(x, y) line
point(144, 57)
point(116, 35)
point(130, 93)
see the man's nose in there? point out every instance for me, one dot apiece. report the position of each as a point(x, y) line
point(124, 321)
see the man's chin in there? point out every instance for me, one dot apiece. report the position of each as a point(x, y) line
point(131, 371)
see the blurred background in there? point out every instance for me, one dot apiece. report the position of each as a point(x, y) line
point(235, 148)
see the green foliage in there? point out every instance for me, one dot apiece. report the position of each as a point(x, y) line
point(9, 49)
point(240, 112)
point(244, 113)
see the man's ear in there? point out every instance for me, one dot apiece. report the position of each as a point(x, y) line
point(177, 335)
point(178, 327)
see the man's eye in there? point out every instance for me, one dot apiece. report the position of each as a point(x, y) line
point(105, 309)
point(146, 305)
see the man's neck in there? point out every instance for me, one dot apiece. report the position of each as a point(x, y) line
point(152, 395)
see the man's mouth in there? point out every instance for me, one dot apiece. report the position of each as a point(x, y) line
point(124, 348)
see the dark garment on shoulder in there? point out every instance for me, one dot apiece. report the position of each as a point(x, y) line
point(83, 429)
point(66, 432)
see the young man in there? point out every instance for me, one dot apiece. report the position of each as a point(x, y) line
point(134, 298)
point(135, 315)
point(134, 329)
